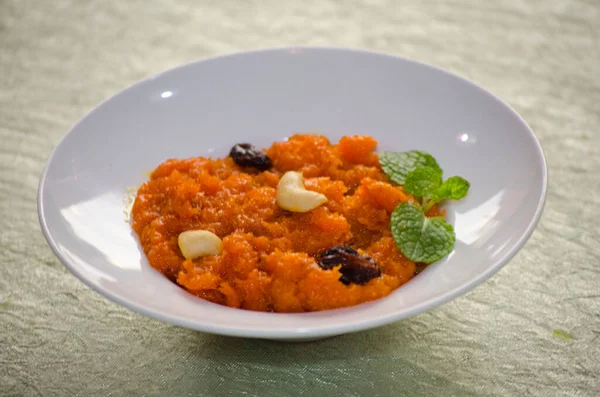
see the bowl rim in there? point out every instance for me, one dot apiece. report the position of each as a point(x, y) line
point(316, 331)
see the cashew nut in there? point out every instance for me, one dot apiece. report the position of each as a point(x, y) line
point(293, 196)
point(197, 243)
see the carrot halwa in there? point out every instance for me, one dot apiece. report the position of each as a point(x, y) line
point(268, 259)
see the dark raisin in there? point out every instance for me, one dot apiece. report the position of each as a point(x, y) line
point(246, 155)
point(356, 268)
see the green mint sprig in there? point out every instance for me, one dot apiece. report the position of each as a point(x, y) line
point(422, 239)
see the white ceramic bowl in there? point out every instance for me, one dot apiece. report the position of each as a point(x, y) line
point(205, 107)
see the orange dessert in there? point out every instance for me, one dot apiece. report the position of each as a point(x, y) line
point(271, 259)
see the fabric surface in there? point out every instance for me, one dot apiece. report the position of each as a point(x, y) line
point(533, 329)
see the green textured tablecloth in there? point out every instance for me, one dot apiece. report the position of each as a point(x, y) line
point(533, 329)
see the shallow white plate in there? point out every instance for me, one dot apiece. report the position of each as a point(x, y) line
point(203, 108)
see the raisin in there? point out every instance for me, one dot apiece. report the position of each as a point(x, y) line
point(246, 155)
point(356, 268)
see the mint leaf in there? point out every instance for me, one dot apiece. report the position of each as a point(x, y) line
point(423, 182)
point(454, 188)
point(421, 239)
point(559, 333)
point(398, 165)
